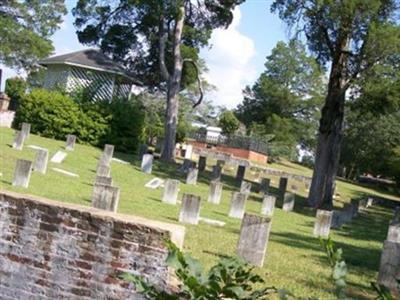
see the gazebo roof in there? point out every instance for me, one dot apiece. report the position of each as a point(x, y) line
point(91, 59)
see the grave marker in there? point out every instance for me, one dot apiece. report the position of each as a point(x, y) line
point(238, 205)
point(190, 210)
point(253, 239)
point(288, 202)
point(26, 130)
point(106, 180)
point(41, 159)
point(323, 223)
point(245, 187)
point(394, 232)
point(215, 192)
point(22, 173)
point(268, 205)
point(58, 157)
point(103, 170)
point(171, 189)
point(147, 163)
point(105, 197)
point(19, 139)
point(389, 268)
point(154, 183)
point(70, 145)
point(191, 177)
point(216, 173)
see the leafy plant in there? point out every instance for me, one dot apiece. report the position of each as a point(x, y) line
point(230, 278)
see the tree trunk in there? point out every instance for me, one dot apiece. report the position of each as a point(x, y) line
point(174, 84)
point(329, 138)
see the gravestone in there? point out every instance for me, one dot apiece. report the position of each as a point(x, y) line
point(26, 130)
point(19, 139)
point(240, 173)
point(105, 197)
point(253, 239)
point(370, 201)
point(288, 202)
point(202, 163)
point(323, 223)
point(142, 151)
point(147, 163)
point(264, 185)
point(389, 268)
point(268, 205)
point(107, 155)
point(191, 177)
point(215, 192)
point(238, 205)
point(106, 180)
point(190, 210)
point(171, 189)
point(189, 151)
point(103, 171)
point(41, 159)
point(187, 165)
point(216, 173)
point(245, 187)
point(394, 232)
point(154, 183)
point(283, 181)
point(70, 145)
point(58, 157)
point(22, 173)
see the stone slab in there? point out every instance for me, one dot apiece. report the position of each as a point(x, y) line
point(238, 205)
point(389, 268)
point(245, 187)
point(41, 160)
point(70, 144)
point(171, 190)
point(190, 209)
point(191, 177)
point(19, 139)
point(65, 172)
point(147, 163)
point(154, 183)
point(288, 202)
point(212, 222)
point(215, 192)
point(268, 205)
point(22, 173)
point(58, 157)
point(323, 221)
point(105, 197)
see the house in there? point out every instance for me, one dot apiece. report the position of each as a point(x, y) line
point(88, 69)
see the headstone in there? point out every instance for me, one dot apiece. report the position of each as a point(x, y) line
point(238, 205)
point(394, 232)
point(190, 210)
point(253, 239)
point(189, 150)
point(106, 156)
point(323, 223)
point(186, 165)
point(58, 157)
point(288, 202)
point(105, 197)
point(268, 205)
point(240, 173)
point(370, 202)
point(19, 139)
point(389, 268)
point(154, 183)
point(41, 159)
point(71, 139)
point(147, 163)
point(103, 170)
point(202, 163)
point(22, 173)
point(191, 177)
point(216, 173)
point(106, 180)
point(283, 181)
point(245, 187)
point(215, 193)
point(337, 219)
point(171, 189)
point(264, 185)
point(142, 151)
point(26, 130)
point(64, 172)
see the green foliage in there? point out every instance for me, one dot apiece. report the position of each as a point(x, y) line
point(15, 89)
point(53, 114)
point(383, 292)
point(25, 28)
point(228, 122)
point(230, 278)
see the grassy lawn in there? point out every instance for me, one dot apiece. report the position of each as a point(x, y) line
point(294, 259)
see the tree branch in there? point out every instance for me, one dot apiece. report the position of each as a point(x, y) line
point(191, 61)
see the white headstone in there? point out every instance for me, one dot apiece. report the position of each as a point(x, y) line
point(323, 223)
point(191, 177)
point(268, 205)
point(19, 139)
point(171, 189)
point(22, 173)
point(288, 202)
point(238, 205)
point(58, 157)
point(105, 197)
point(190, 210)
point(154, 183)
point(147, 163)
point(215, 192)
point(41, 159)
point(70, 145)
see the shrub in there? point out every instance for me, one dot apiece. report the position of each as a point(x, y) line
point(15, 89)
point(228, 122)
point(53, 114)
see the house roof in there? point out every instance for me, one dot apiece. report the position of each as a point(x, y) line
point(91, 59)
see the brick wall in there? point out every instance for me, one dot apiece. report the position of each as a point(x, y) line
point(53, 250)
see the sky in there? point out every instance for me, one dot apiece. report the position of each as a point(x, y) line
point(235, 58)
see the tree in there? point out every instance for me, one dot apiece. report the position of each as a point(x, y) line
point(157, 40)
point(351, 36)
point(25, 29)
point(228, 122)
point(286, 98)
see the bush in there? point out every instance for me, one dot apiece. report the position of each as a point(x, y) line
point(15, 89)
point(54, 115)
point(228, 122)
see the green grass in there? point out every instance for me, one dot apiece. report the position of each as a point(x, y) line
point(294, 259)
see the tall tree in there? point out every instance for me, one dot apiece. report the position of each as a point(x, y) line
point(350, 36)
point(25, 29)
point(158, 40)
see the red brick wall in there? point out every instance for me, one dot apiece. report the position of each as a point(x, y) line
point(54, 250)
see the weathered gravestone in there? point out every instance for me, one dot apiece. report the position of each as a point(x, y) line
point(240, 173)
point(19, 139)
point(22, 173)
point(171, 189)
point(70, 145)
point(238, 205)
point(370, 201)
point(105, 197)
point(103, 170)
point(253, 239)
point(58, 157)
point(389, 269)
point(216, 173)
point(202, 163)
point(215, 192)
point(26, 130)
point(394, 232)
point(268, 205)
point(323, 223)
point(190, 210)
point(147, 163)
point(283, 181)
point(187, 165)
point(264, 185)
point(191, 177)
point(41, 159)
point(288, 202)
point(107, 155)
point(106, 180)
point(245, 187)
